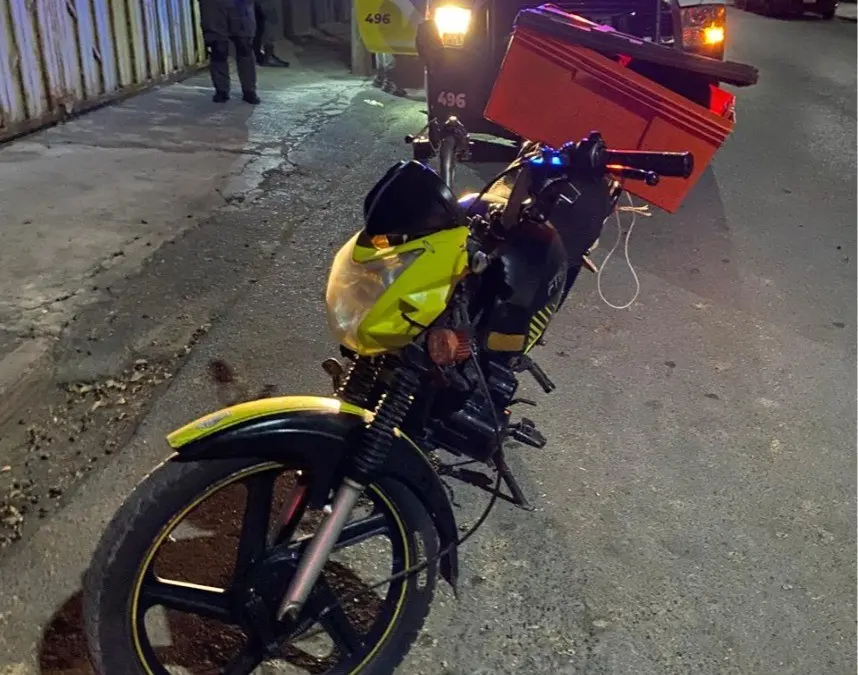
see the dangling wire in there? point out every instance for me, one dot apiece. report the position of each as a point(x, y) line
point(642, 210)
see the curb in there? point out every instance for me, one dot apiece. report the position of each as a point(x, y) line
point(24, 377)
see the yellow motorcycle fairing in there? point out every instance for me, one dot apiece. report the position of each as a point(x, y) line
point(389, 26)
point(252, 410)
point(380, 298)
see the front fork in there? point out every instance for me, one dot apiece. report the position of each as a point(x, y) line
point(367, 461)
point(320, 548)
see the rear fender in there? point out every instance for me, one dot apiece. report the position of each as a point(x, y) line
point(315, 433)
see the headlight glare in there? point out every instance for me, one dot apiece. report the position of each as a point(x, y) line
point(452, 23)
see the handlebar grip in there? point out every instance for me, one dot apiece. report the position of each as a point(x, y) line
point(671, 164)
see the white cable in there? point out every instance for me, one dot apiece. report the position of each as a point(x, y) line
point(634, 210)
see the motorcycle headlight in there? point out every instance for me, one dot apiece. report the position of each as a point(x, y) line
point(355, 287)
point(452, 23)
point(703, 27)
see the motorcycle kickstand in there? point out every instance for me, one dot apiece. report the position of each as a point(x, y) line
point(516, 493)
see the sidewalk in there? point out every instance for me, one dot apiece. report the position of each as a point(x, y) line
point(125, 232)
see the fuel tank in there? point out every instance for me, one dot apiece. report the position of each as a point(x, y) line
point(538, 264)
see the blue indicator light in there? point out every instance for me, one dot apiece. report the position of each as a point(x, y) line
point(553, 160)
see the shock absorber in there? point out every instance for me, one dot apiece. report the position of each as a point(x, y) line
point(378, 434)
point(359, 383)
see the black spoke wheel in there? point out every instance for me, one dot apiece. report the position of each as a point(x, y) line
point(240, 527)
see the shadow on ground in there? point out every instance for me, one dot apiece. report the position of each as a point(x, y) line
point(63, 650)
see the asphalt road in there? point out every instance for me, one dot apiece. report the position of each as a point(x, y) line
point(696, 501)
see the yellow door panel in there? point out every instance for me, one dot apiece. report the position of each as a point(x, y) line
point(389, 26)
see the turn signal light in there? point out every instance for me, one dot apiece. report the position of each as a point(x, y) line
point(713, 35)
point(448, 347)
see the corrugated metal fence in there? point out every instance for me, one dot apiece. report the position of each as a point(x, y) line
point(57, 56)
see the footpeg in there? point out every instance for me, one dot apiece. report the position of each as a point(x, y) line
point(527, 433)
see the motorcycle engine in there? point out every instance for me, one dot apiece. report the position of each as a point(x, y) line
point(463, 423)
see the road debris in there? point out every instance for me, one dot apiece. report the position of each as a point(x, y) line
point(59, 444)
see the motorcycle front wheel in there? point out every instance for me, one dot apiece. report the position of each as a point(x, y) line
point(240, 526)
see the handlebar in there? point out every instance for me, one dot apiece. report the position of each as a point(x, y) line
point(542, 171)
point(590, 157)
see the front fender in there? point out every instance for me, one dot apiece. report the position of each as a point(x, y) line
point(315, 433)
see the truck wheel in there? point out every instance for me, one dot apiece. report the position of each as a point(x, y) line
point(828, 14)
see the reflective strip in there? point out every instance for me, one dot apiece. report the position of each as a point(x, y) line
point(505, 342)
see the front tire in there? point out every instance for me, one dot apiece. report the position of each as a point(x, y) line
point(124, 561)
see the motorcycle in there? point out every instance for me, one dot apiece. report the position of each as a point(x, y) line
point(437, 303)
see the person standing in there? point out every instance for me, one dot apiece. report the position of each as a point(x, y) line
point(385, 63)
point(224, 21)
point(263, 39)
